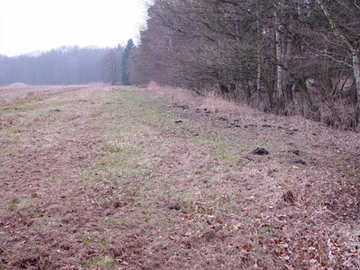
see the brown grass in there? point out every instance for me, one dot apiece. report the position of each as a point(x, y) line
point(177, 94)
point(320, 188)
point(103, 177)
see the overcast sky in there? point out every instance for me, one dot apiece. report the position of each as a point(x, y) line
point(40, 25)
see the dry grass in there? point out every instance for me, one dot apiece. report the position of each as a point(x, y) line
point(320, 189)
point(209, 101)
point(103, 177)
point(177, 94)
point(16, 92)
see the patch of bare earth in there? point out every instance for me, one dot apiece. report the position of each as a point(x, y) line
point(104, 177)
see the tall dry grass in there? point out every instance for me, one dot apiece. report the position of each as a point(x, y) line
point(337, 115)
point(208, 100)
point(176, 94)
point(301, 126)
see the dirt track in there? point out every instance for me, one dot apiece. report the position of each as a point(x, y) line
point(117, 178)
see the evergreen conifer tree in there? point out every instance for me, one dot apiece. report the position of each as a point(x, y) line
point(124, 62)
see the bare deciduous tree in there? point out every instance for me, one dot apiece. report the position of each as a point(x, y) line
point(286, 56)
point(110, 66)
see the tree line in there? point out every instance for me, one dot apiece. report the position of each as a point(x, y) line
point(68, 65)
point(281, 56)
point(285, 56)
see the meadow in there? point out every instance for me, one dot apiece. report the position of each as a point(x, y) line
point(114, 177)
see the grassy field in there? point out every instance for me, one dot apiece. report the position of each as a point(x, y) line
point(111, 177)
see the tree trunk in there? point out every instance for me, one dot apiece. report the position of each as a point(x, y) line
point(259, 58)
point(356, 66)
point(258, 75)
point(354, 53)
point(279, 79)
point(287, 82)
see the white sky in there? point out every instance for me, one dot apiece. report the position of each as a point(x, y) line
point(39, 25)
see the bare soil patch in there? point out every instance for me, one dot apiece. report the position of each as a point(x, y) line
point(101, 177)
